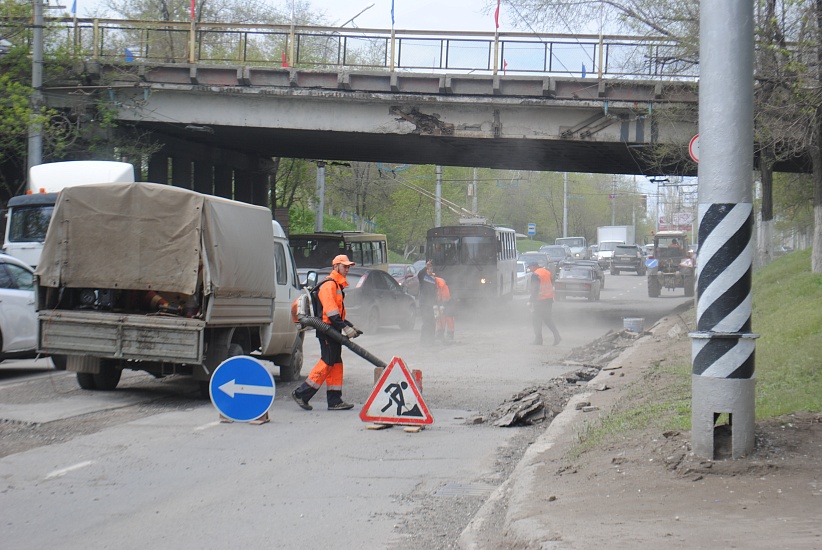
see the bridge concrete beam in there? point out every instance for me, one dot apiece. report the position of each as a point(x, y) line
point(525, 122)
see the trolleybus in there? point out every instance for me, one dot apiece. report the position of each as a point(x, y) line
point(477, 261)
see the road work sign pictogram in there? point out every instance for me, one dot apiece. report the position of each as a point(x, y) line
point(396, 399)
point(242, 389)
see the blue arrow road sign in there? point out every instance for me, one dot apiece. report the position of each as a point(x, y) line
point(242, 389)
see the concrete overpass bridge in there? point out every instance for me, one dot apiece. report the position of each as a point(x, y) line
point(507, 100)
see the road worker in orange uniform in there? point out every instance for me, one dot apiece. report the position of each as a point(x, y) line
point(542, 302)
point(445, 317)
point(329, 369)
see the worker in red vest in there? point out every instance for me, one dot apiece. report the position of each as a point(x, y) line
point(542, 302)
point(445, 317)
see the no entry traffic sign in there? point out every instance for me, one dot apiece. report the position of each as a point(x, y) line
point(242, 389)
point(693, 148)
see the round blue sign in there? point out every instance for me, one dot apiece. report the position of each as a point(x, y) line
point(242, 389)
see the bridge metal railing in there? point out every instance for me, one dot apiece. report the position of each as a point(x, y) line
point(117, 40)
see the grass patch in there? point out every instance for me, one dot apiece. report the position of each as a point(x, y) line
point(786, 314)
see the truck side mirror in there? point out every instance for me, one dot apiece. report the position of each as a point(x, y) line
point(311, 279)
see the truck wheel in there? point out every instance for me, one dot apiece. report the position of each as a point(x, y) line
point(592, 296)
point(86, 380)
point(689, 286)
point(292, 370)
point(108, 377)
point(234, 350)
point(653, 287)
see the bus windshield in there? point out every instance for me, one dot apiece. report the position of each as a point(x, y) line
point(29, 224)
point(479, 250)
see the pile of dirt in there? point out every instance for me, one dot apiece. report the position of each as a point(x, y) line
point(542, 403)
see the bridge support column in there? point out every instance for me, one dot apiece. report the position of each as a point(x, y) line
point(158, 168)
point(223, 182)
point(181, 172)
point(243, 186)
point(204, 177)
point(259, 185)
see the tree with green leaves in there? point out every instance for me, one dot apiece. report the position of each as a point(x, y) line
point(788, 73)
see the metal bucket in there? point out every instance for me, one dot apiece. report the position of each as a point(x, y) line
point(635, 324)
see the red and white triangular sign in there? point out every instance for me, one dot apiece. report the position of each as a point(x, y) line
point(396, 399)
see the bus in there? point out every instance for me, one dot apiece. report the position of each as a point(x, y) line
point(477, 261)
point(317, 250)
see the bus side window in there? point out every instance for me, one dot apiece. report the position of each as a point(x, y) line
point(356, 253)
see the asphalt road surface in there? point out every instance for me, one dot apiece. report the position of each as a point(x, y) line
point(151, 465)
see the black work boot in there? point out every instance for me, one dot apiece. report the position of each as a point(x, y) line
point(335, 402)
point(302, 395)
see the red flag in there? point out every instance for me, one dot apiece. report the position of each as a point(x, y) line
point(496, 14)
point(193, 9)
point(285, 61)
point(504, 66)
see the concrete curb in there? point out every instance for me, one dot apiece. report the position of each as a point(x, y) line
point(518, 528)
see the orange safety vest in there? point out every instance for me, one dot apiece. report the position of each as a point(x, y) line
point(546, 285)
point(331, 297)
point(443, 293)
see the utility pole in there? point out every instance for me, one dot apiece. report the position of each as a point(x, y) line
point(35, 142)
point(474, 196)
point(320, 206)
point(723, 346)
point(565, 206)
point(438, 199)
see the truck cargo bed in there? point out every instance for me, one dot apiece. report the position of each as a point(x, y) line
point(122, 336)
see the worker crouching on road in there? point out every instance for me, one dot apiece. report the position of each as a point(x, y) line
point(329, 369)
point(542, 302)
point(444, 315)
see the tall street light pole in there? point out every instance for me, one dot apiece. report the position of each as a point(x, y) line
point(35, 142)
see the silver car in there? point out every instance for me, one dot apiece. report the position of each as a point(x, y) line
point(18, 319)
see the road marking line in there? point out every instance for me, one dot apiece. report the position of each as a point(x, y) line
point(207, 426)
point(63, 471)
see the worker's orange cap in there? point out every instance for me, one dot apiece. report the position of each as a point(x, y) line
point(342, 259)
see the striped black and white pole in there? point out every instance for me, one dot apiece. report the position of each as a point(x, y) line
point(723, 346)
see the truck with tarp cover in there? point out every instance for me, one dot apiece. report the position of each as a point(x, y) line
point(157, 278)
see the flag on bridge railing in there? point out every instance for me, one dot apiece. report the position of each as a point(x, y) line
point(285, 61)
point(129, 56)
point(496, 14)
point(74, 8)
point(392, 14)
point(193, 9)
point(584, 72)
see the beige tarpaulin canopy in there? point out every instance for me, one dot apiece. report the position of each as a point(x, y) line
point(147, 236)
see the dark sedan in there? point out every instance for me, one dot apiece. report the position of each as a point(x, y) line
point(373, 299)
point(406, 276)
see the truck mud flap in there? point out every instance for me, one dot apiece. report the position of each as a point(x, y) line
point(121, 336)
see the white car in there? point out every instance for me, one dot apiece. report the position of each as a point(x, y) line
point(18, 318)
point(521, 286)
